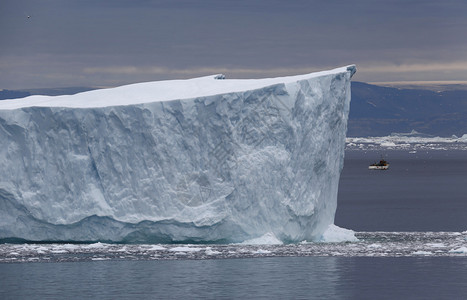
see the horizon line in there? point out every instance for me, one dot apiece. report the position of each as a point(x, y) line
point(419, 82)
point(382, 83)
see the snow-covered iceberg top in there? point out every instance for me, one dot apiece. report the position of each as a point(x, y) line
point(161, 91)
point(201, 160)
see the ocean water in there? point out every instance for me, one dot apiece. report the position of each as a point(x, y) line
point(249, 278)
point(422, 191)
point(410, 221)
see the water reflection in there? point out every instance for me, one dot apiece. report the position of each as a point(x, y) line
point(252, 278)
point(282, 277)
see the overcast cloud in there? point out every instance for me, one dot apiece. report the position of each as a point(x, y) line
point(108, 43)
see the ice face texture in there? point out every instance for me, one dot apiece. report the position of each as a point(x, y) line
point(200, 160)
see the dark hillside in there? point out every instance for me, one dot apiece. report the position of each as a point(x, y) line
point(379, 111)
point(14, 94)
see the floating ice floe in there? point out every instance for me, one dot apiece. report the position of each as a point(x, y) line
point(336, 234)
point(422, 253)
point(261, 251)
point(155, 248)
point(211, 252)
point(185, 249)
point(407, 141)
point(459, 250)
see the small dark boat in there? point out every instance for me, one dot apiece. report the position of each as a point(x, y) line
point(382, 165)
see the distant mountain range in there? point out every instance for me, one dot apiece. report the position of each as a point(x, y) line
point(14, 94)
point(380, 111)
point(374, 110)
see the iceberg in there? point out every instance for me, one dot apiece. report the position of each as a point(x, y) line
point(201, 160)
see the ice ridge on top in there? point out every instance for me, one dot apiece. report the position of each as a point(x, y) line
point(160, 91)
point(200, 160)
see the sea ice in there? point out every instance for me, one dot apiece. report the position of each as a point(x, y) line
point(387, 144)
point(422, 252)
point(390, 244)
point(185, 249)
point(407, 141)
point(155, 248)
point(261, 251)
point(211, 252)
point(460, 250)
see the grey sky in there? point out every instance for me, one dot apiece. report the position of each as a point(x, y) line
point(107, 43)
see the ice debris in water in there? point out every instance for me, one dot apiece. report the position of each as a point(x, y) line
point(407, 141)
point(335, 234)
point(459, 250)
point(369, 244)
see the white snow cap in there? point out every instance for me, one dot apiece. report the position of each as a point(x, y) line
point(158, 91)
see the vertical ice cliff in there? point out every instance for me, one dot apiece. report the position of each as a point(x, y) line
point(201, 160)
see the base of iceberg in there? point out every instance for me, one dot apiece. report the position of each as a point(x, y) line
point(205, 160)
point(369, 244)
point(267, 239)
point(336, 234)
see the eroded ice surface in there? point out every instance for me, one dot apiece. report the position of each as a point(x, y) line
point(201, 160)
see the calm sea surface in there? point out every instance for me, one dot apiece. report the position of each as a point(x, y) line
point(424, 191)
point(252, 278)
